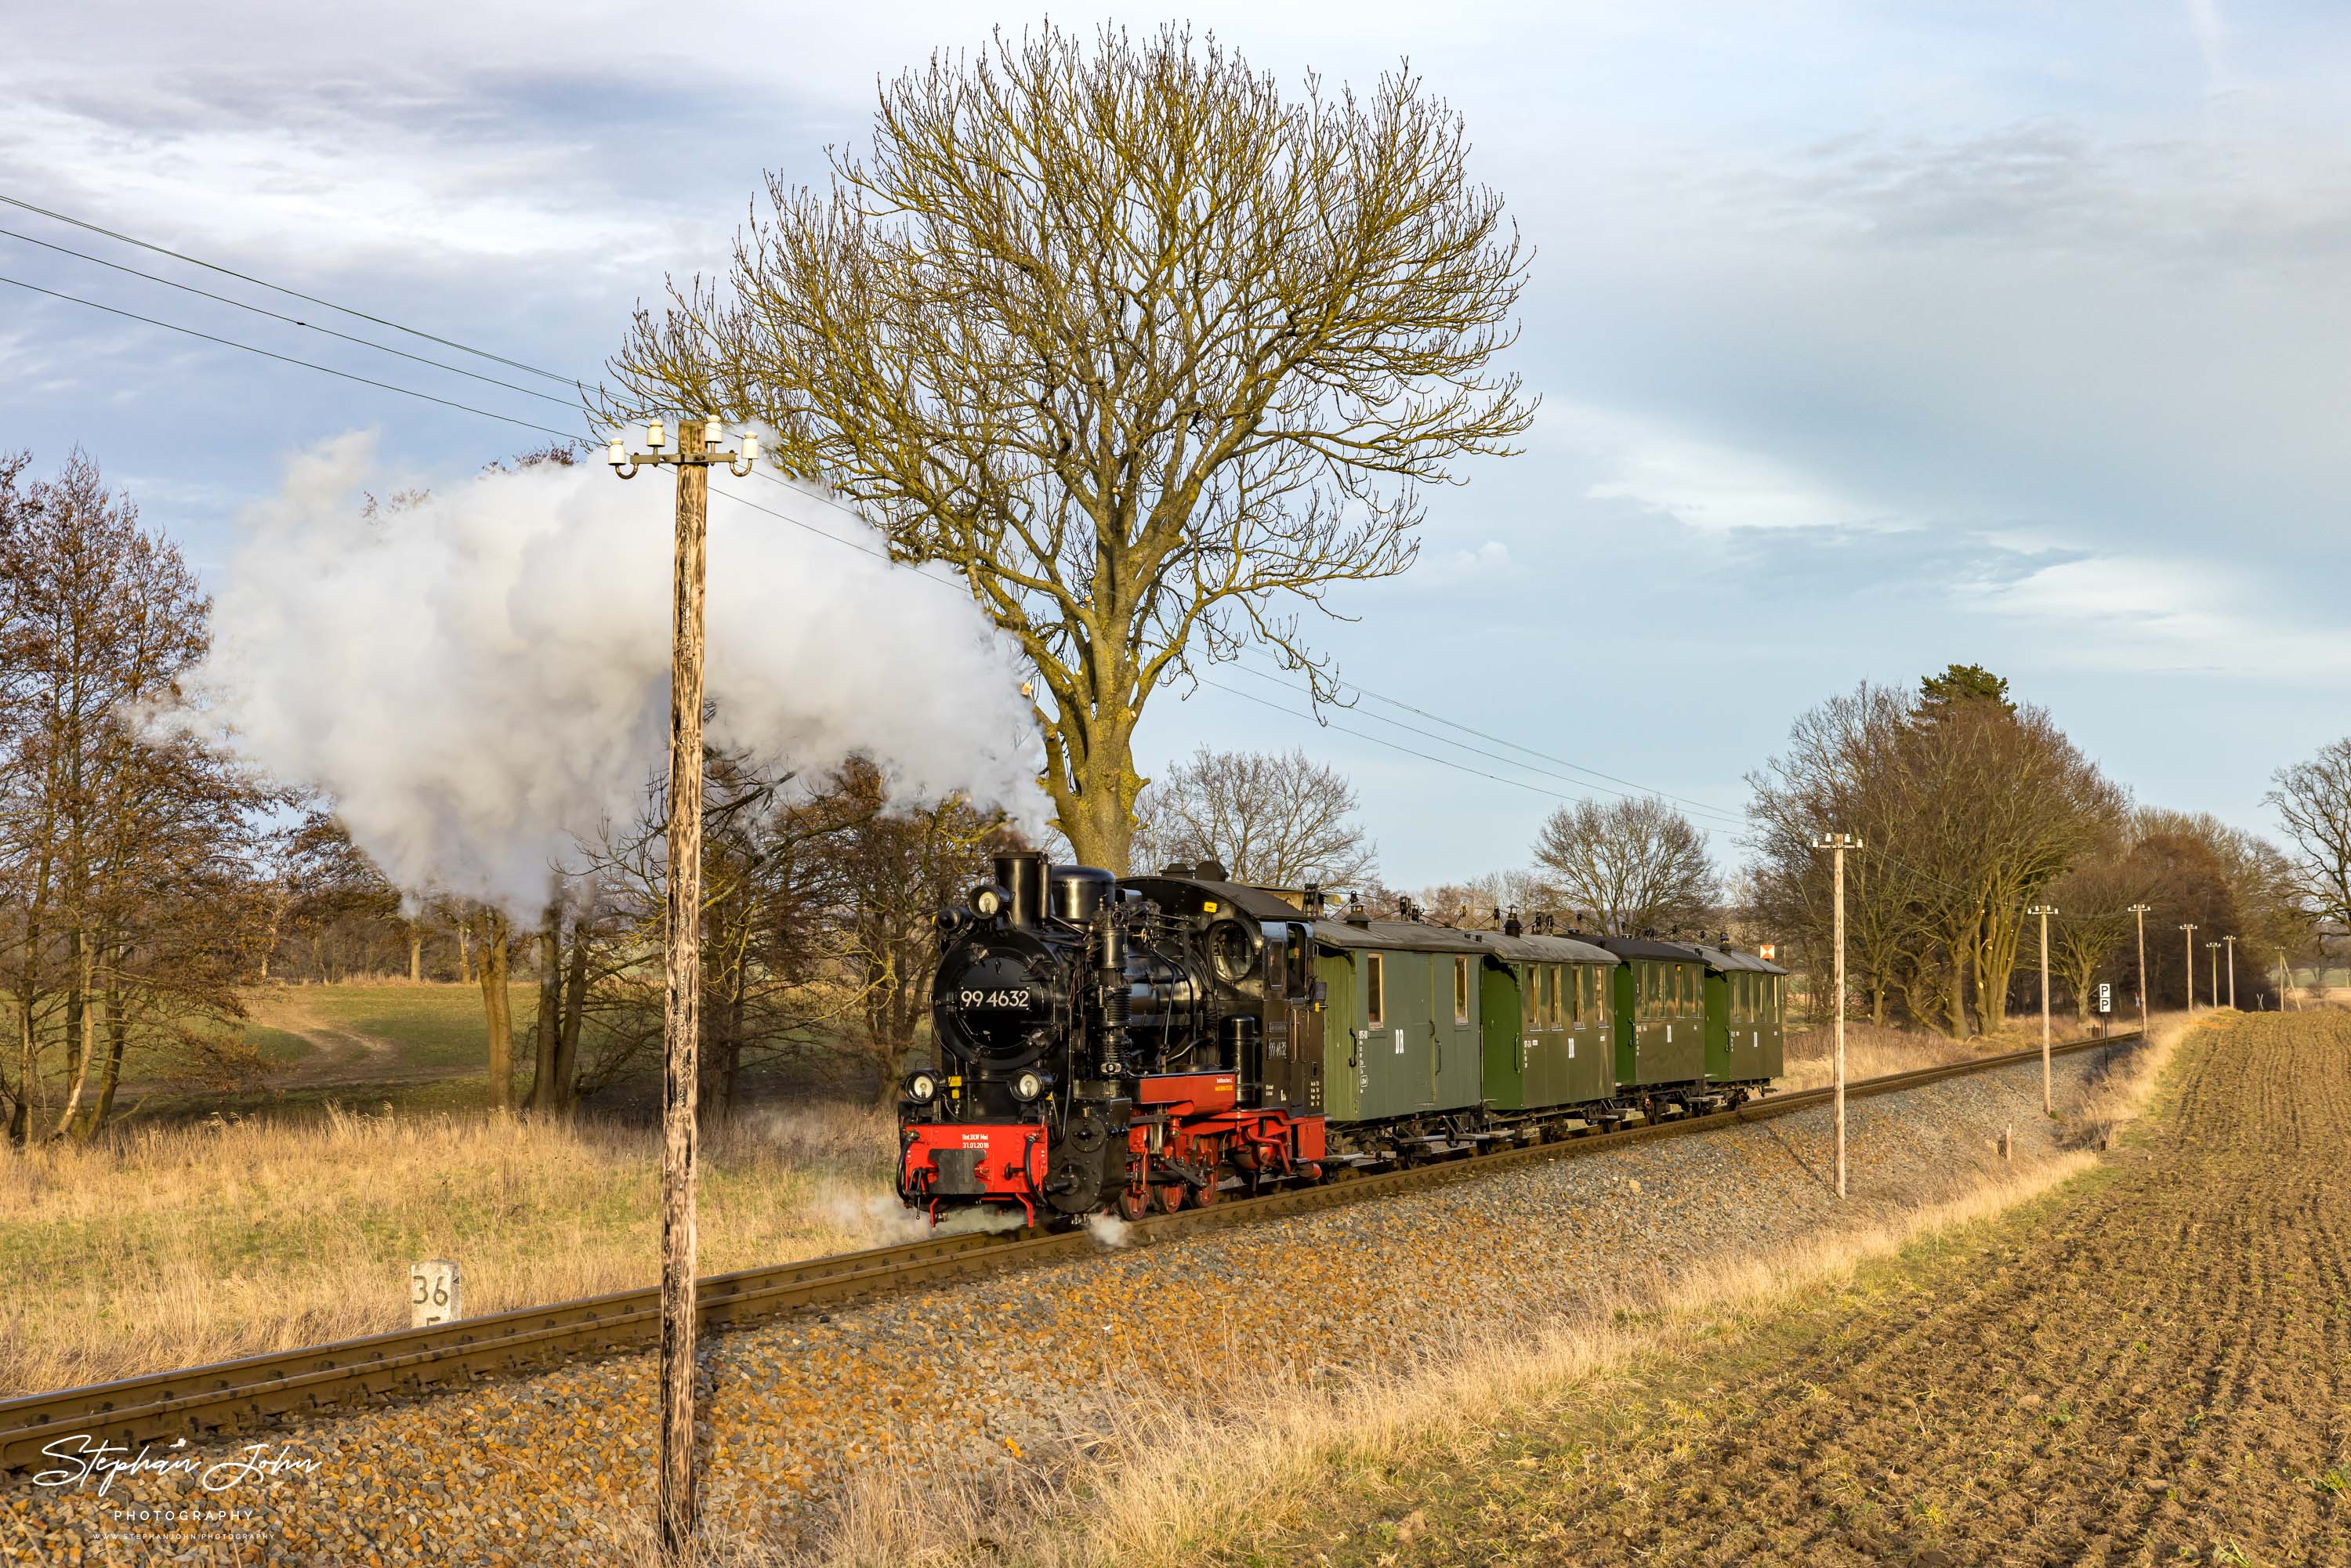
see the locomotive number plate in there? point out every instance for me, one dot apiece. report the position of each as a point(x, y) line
point(1016, 998)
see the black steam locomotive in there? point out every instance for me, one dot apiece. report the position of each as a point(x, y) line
point(1112, 1046)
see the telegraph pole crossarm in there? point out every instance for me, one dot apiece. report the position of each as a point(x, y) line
point(2048, 1095)
point(1836, 844)
point(699, 447)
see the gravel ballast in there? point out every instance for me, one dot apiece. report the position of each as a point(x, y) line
point(977, 1382)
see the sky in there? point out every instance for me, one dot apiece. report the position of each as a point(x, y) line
point(1869, 339)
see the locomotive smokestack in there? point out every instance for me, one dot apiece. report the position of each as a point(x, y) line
point(1023, 875)
point(1114, 999)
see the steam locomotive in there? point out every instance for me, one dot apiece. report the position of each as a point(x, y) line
point(1121, 1045)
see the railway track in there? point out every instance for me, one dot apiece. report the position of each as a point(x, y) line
point(226, 1397)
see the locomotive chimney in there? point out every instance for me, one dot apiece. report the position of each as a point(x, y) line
point(1023, 875)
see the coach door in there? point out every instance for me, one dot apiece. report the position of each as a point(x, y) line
point(1301, 1084)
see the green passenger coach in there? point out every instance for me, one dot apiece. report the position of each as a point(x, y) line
point(1446, 1038)
point(1744, 1007)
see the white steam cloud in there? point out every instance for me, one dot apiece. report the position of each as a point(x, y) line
point(479, 677)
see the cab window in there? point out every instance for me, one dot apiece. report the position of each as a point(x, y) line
point(1374, 987)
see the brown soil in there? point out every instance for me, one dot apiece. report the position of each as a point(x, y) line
point(2150, 1368)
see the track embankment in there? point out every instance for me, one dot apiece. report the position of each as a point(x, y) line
point(2153, 1368)
point(978, 1384)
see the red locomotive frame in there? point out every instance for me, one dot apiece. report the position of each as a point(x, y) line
point(1188, 1130)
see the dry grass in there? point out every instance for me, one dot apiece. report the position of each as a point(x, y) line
point(1875, 1051)
point(189, 1245)
point(1168, 1484)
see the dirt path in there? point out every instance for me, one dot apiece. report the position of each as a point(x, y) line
point(347, 1058)
point(2156, 1371)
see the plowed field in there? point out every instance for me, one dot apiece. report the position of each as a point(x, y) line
point(2150, 1368)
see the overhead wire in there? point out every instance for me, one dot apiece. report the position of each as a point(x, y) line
point(1631, 791)
point(289, 359)
point(290, 321)
point(281, 289)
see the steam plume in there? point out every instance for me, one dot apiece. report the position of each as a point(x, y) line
point(478, 677)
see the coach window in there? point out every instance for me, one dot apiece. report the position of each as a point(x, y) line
point(1527, 984)
point(1460, 990)
point(1375, 988)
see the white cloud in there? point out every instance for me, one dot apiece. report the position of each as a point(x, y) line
point(2151, 614)
point(1708, 486)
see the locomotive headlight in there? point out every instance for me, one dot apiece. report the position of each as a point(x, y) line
point(1028, 1086)
point(922, 1088)
point(988, 902)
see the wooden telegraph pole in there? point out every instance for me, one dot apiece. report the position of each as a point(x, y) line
point(2231, 943)
point(2213, 990)
point(2048, 1101)
point(2190, 931)
point(2140, 910)
point(697, 449)
point(1836, 844)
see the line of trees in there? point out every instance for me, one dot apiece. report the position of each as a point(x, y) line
point(1971, 809)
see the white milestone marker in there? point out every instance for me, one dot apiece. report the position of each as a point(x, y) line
point(433, 1292)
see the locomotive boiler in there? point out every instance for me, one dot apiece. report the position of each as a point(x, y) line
point(1119, 1046)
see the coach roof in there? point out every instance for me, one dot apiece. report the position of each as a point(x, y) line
point(1414, 937)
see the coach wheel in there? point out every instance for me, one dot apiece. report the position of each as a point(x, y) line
point(1132, 1205)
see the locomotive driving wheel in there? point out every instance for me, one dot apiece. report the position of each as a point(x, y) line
point(1169, 1195)
point(1132, 1203)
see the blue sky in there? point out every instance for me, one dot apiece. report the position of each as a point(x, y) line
point(1870, 338)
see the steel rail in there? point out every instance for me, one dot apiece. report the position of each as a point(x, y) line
point(229, 1396)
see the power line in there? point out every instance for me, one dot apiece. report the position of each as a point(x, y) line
point(1382, 740)
point(291, 293)
point(1643, 792)
point(290, 360)
point(291, 321)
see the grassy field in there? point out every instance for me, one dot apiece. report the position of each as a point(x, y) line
point(190, 1244)
point(1873, 1051)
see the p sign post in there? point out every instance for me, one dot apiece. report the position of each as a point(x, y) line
point(2106, 1006)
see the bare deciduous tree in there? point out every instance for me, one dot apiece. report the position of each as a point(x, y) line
point(1275, 820)
point(2314, 799)
point(1151, 355)
point(898, 867)
point(1634, 863)
point(132, 910)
